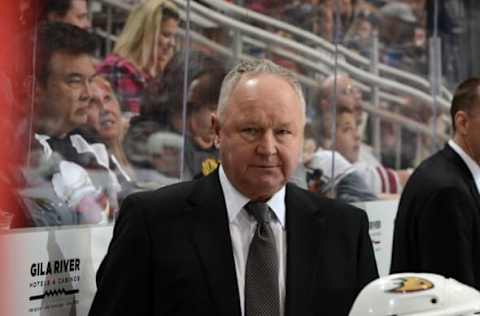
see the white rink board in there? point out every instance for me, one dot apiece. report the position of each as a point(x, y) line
point(381, 215)
point(52, 271)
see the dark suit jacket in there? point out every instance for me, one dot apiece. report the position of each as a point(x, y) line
point(438, 221)
point(171, 254)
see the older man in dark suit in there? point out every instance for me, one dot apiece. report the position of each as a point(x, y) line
point(240, 241)
point(438, 222)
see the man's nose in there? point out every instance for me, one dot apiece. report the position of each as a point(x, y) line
point(86, 93)
point(357, 136)
point(267, 144)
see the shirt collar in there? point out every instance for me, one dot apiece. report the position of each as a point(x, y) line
point(471, 164)
point(235, 201)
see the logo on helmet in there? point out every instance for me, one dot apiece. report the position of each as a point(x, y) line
point(409, 285)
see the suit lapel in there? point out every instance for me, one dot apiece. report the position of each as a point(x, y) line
point(211, 236)
point(305, 231)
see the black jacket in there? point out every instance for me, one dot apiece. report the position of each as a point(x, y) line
point(171, 254)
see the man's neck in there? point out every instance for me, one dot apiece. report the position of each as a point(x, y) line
point(463, 143)
point(50, 127)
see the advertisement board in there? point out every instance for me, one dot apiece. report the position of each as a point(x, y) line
point(52, 271)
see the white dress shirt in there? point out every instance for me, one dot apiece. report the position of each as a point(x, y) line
point(242, 229)
point(471, 164)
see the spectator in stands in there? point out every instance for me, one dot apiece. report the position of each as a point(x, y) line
point(200, 149)
point(163, 98)
point(346, 13)
point(73, 12)
point(347, 137)
point(136, 141)
point(346, 93)
point(111, 128)
point(110, 125)
point(454, 23)
point(382, 181)
point(310, 15)
point(359, 35)
point(343, 182)
point(77, 184)
point(65, 70)
point(142, 51)
point(396, 33)
point(164, 151)
point(324, 25)
point(302, 14)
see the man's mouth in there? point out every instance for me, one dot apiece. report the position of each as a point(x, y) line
point(266, 166)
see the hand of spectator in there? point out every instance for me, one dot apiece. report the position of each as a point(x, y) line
point(73, 185)
point(91, 208)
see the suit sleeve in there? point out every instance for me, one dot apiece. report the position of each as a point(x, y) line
point(367, 265)
point(444, 232)
point(122, 279)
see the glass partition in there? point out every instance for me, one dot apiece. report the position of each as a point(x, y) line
point(130, 108)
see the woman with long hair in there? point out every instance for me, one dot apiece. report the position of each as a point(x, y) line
point(142, 51)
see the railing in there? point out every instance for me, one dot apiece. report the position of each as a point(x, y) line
point(317, 41)
point(381, 84)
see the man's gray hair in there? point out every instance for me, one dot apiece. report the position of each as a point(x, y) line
point(252, 68)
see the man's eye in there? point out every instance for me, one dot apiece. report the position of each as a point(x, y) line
point(250, 131)
point(283, 132)
point(74, 81)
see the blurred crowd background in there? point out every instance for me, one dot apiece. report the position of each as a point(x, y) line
point(110, 97)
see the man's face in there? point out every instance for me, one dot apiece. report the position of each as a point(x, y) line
point(200, 117)
point(65, 96)
point(347, 137)
point(364, 29)
point(261, 136)
point(200, 122)
point(77, 14)
point(471, 133)
point(349, 95)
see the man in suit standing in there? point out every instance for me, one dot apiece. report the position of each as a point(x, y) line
point(240, 241)
point(437, 228)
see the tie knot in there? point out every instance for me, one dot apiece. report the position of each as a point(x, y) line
point(260, 211)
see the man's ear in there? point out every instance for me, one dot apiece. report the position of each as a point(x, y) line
point(461, 122)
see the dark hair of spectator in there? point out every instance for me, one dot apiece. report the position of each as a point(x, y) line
point(60, 37)
point(208, 89)
point(57, 7)
point(465, 97)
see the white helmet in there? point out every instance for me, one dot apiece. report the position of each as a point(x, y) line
point(419, 294)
